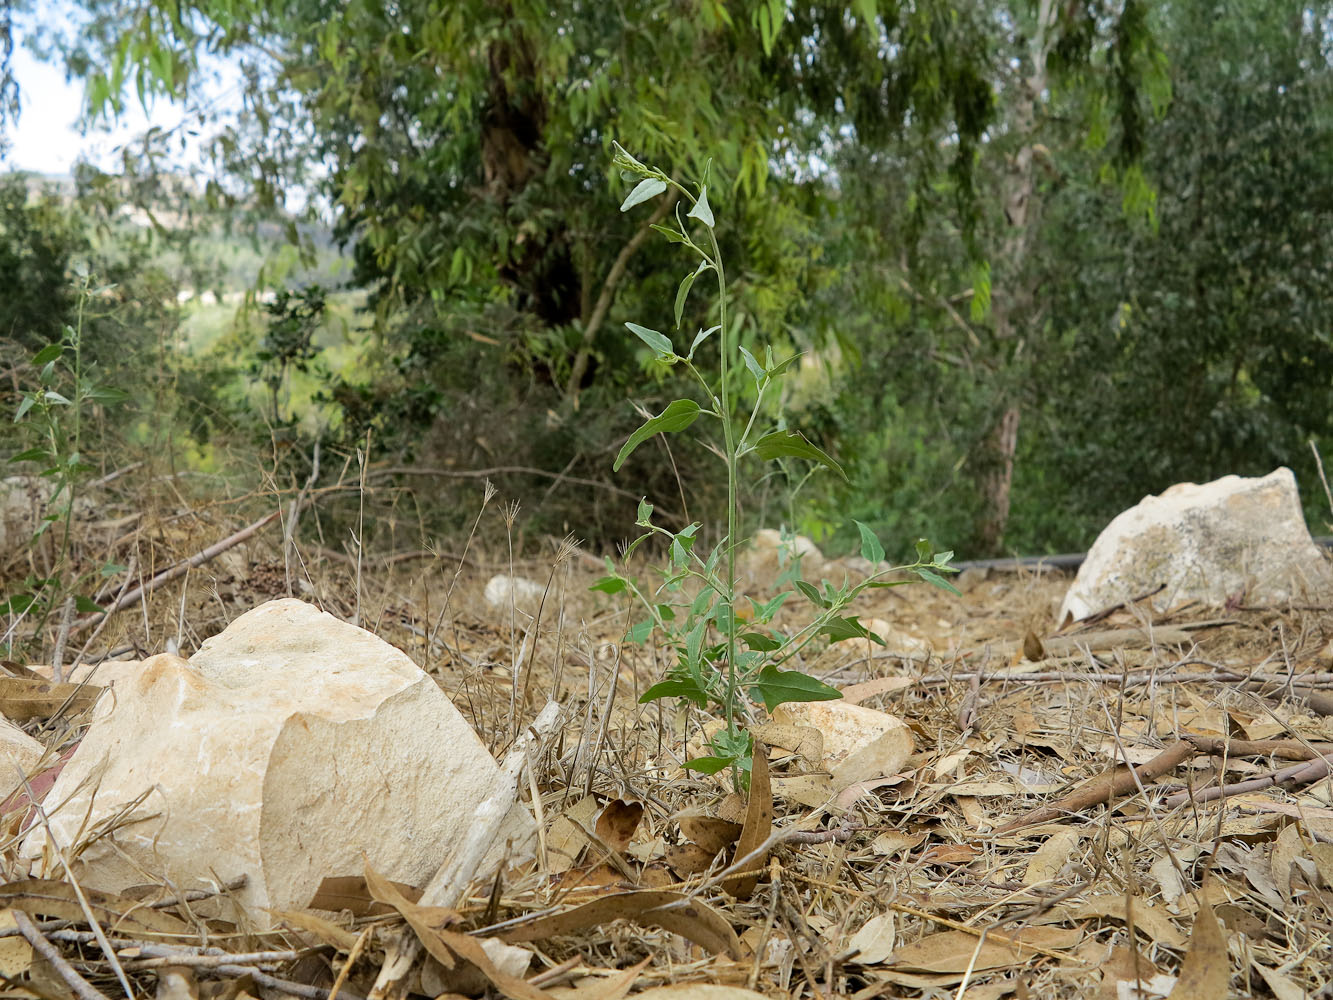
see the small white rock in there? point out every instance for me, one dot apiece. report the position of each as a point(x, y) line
point(524, 594)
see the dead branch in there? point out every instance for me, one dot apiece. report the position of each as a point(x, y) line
point(1290, 777)
point(579, 366)
point(83, 989)
point(1108, 785)
point(180, 569)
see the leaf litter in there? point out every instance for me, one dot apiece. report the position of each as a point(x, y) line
point(1138, 806)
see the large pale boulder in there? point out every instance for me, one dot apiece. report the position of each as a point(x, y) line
point(286, 747)
point(1222, 540)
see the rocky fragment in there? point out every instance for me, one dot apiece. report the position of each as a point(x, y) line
point(19, 755)
point(771, 553)
point(1233, 539)
point(286, 747)
point(503, 591)
point(859, 742)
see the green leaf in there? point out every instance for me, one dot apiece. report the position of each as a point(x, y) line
point(776, 687)
point(701, 210)
point(107, 395)
point(935, 580)
point(30, 455)
point(86, 605)
point(942, 560)
point(700, 337)
point(638, 634)
point(644, 516)
point(671, 234)
point(649, 187)
point(659, 343)
point(24, 406)
point(676, 688)
point(709, 765)
point(47, 354)
point(765, 612)
point(684, 289)
point(924, 549)
point(756, 369)
point(609, 585)
point(760, 642)
point(774, 370)
point(17, 604)
point(676, 417)
point(838, 629)
point(811, 594)
point(791, 444)
point(51, 396)
point(871, 550)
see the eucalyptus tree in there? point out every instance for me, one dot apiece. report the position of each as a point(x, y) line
point(464, 148)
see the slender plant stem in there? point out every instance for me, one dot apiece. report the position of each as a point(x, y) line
point(733, 513)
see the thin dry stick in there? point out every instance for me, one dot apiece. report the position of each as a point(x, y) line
point(606, 718)
point(294, 515)
point(1319, 464)
point(449, 884)
point(83, 989)
point(359, 538)
point(1108, 785)
point(1298, 774)
point(357, 947)
point(58, 655)
point(167, 575)
point(87, 909)
point(124, 586)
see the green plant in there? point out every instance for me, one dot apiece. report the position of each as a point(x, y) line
point(52, 415)
point(722, 661)
point(288, 344)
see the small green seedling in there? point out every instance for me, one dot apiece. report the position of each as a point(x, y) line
point(727, 660)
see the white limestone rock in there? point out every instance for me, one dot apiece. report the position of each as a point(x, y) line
point(769, 555)
point(525, 595)
point(19, 756)
point(1228, 538)
point(286, 747)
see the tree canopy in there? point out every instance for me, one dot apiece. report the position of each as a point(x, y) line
point(1003, 231)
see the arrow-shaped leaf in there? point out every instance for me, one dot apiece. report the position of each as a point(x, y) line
point(650, 187)
point(701, 209)
point(778, 686)
point(676, 417)
point(792, 444)
point(660, 343)
point(684, 288)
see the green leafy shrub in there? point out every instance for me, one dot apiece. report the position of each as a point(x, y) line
point(721, 661)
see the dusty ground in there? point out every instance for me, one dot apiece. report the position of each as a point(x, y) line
point(944, 879)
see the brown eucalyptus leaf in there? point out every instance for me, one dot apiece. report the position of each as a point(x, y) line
point(758, 826)
point(691, 918)
point(618, 822)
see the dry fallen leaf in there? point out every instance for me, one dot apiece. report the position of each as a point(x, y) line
point(1205, 973)
point(758, 826)
point(618, 822)
point(875, 940)
point(955, 951)
point(1051, 857)
point(15, 952)
point(690, 918)
point(700, 991)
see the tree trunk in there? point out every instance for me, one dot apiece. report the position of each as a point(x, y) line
point(1011, 291)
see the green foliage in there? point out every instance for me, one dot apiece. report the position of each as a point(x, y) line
point(51, 415)
point(288, 344)
point(697, 596)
